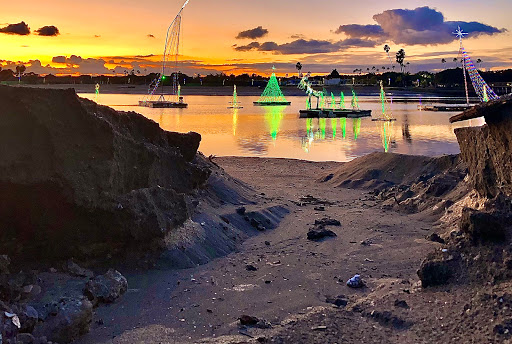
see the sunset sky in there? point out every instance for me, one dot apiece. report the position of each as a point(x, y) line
point(236, 36)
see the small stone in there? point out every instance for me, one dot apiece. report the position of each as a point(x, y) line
point(318, 234)
point(75, 270)
point(319, 328)
point(248, 320)
point(355, 282)
point(436, 238)
point(267, 243)
point(326, 221)
point(320, 208)
point(401, 304)
point(250, 267)
point(240, 210)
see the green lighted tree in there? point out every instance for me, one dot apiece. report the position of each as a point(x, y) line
point(272, 92)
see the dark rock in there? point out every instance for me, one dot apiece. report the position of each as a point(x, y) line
point(74, 269)
point(338, 301)
point(106, 288)
point(482, 227)
point(321, 208)
point(319, 234)
point(225, 219)
point(255, 223)
point(248, 320)
point(326, 221)
point(66, 320)
point(250, 267)
point(25, 338)
point(83, 180)
point(436, 238)
point(435, 271)
point(401, 304)
point(240, 210)
point(267, 243)
point(4, 264)
point(28, 318)
point(386, 318)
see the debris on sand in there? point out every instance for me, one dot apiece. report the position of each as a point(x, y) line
point(355, 282)
point(319, 233)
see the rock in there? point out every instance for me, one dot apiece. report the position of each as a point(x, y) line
point(326, 221)
point(28, 318)
point(401, 304)
point(248, 320)
point(435, 238)
point(319, 234)
point(320, 208)
point(65, 320)
point(240, 210)
point(355, 282)
point(4, 264)
point(83, 180)
point(267, 243)
point(483, 227)
point(250, 267)
point(106, 288)
point(435, 271)
point(25, 338)
point(338, 301)
point(75, 270)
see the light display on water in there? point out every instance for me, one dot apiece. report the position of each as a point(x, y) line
point(386, 110)
point(484, 92)
point(356, 127)
point(385, 133)
point(97, 92)
point(333, 101)
point(322, 122)
point(308, 103)
point(274, 116)
point(334, 124)
point(272, 92)
point(342, 100)
point(322, 101)
point(355, 100)
point(343, 123)
point(309, 125)
point(235, 120)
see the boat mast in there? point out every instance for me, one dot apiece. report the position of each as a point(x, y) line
point(172, 41)
point(460, 34)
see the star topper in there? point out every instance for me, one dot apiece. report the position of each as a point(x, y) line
point(459, 33)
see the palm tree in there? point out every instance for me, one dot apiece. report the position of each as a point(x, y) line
point(400, 57)
point(387, 49)
point(455, 60)
point(443, 61)
point(408, 63)
point(20, 70)
point(479, 62)
point(299, 67)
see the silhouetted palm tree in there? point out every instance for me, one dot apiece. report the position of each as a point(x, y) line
point(299, 67)
point(387, 49)
point(400, 57)
point(479, 62)
point(20, 70)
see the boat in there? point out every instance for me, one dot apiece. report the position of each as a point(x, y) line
point(235, 103)
point(156, 99)
point(386, 110)
point(482, 89)
point(335, 111)
point(272, 95)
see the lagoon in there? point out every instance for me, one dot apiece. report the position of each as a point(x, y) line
point(278, 132)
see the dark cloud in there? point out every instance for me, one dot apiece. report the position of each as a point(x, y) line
point(16, 29)
point(422, 25)
point(302, 46)
point(48, 31)
point(358, 31)
point(151, 36)
point(253, 33)
point(72, 60)
point(297, 36)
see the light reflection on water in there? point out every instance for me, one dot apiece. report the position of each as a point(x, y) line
point(278, 132)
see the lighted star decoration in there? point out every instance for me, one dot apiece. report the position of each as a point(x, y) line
point(459, 33)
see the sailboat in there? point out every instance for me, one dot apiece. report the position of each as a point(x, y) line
point(482, 89)
point(386, 110)
point(235, 103)
point(154, 99)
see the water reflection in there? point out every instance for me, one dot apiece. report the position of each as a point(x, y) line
point(278, 132)
point(273, 117)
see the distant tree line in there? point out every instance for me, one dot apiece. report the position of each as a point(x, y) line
point(448, 78)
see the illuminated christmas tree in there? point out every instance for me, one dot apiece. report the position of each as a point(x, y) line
point(272, 94)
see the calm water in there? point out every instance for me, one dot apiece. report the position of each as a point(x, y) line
point(278, 132)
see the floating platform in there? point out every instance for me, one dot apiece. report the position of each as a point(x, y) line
point(271, 103)
point(447, 107)
point(383, 119)
point(162, 104)
point(334, 113)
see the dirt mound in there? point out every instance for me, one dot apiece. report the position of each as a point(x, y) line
point(389, 168)
point(79, 179)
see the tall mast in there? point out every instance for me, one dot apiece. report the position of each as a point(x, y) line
point(460, 34)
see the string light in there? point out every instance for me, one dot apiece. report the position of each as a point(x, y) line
point(272, 93)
